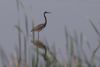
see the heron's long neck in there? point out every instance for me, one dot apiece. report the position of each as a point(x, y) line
point(45, 20)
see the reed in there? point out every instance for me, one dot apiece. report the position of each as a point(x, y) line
point(75, 53)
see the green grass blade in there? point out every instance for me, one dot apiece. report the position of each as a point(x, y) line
point(95, 28)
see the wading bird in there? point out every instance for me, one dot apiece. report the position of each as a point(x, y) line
point(39, 44)
point(39, 27)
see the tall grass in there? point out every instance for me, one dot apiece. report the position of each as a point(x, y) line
point(76, 55)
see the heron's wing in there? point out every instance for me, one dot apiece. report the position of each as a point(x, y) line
point(38, 27)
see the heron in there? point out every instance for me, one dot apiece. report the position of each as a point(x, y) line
point(39, 44)
point(40, 27)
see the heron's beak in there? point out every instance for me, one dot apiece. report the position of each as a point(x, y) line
point(49, 12)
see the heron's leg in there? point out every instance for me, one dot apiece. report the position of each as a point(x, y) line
point(37, 59)
point(38, 35)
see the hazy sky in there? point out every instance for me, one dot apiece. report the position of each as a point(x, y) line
point(74, 14)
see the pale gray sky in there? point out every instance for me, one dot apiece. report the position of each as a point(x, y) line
point(72, 13)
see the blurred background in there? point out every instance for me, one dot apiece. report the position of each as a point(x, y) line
point(72, 30)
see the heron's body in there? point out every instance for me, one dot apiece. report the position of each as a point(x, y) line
point(39, 27)
point(39, 44)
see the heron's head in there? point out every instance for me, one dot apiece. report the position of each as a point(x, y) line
point(47, 12)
